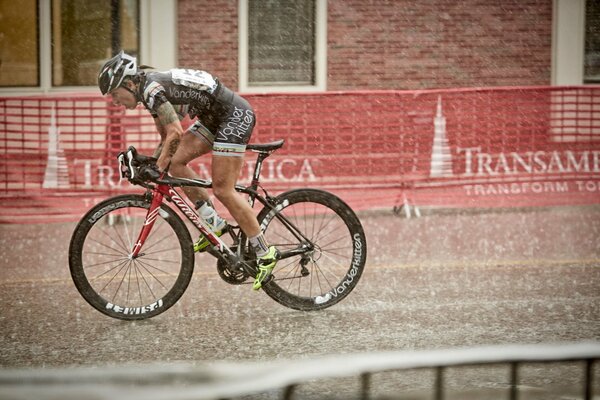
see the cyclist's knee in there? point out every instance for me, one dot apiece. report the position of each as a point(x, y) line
point(223, 192)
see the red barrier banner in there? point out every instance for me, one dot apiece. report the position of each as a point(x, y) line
point(490, 147)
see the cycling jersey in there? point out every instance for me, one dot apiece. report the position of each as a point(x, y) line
point(225, 120)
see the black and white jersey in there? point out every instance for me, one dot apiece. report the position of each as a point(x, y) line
point(191, 92)
point(228, 117)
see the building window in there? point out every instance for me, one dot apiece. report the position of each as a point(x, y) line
point(85, 33)
point(592, 42)
point(19, 59)
point(282, 45)
point(281, 42)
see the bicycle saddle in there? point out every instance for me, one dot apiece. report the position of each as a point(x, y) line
point(271, 146)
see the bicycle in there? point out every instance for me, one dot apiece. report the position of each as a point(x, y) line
point(131, 256)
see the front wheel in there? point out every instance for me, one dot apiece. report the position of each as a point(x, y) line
point(327, 273)
point(117, 284)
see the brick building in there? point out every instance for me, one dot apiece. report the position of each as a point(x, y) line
point(313, 45)
point(382, 44)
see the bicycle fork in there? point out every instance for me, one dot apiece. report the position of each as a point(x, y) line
point(151, 215)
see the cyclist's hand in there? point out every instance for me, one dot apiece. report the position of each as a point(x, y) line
point(149, 172)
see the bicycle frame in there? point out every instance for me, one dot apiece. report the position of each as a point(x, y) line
point(158, 194)
point(165, 188)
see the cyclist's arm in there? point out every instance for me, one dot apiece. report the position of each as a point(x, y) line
point(172, 130)
point(161, 131)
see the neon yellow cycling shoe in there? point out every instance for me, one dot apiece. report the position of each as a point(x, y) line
point(266, 264)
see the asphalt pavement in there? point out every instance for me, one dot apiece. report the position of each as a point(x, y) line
point(444, 280)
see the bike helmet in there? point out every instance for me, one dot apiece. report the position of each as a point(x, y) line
point(114, 71)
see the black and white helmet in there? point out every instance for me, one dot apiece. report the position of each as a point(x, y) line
point(115, 70)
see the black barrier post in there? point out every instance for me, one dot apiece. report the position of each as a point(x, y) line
point(514, 377)
point(365, 385)
point(439, 383)
point(588, 379)
point(288, 392)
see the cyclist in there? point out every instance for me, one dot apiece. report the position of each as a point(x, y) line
point(224, 125)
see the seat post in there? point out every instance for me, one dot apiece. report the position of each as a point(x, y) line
point(257, 168)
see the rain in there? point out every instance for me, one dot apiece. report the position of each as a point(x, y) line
point(461, 255)
point(463, 279)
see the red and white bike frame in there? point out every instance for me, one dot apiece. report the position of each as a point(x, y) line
point(158, 194)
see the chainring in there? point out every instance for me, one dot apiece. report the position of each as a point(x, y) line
point(229, 276)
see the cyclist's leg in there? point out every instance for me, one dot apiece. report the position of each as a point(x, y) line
point(228, 152)
point(229, 147)
point(196, 141)
point(225, 171)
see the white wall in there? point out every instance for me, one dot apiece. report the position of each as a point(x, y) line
point(568, 42)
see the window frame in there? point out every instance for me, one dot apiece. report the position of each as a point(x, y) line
point(588, 79)
point(38, 71)
point(157, 46)
point(568, 42)
point(320, 61)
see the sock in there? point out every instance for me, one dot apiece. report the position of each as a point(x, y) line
point(259, 244)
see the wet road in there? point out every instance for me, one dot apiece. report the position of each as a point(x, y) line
point(440, 281)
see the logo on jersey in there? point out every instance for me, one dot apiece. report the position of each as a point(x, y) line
point(239, 124)
point(151, 91)
point(193, 79)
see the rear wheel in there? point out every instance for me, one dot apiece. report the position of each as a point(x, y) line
point(328, 272)
point(115, 283)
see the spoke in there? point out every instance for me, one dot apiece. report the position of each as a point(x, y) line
point(314, 268)
point(340, 255)
point(162, 250)
point(333, 241)
point(121, 283)
point(128, 247)
point(330, 267)
point(145, 267)
point(161, 260)
point(147, 285)
point(137, 280)
point(103, 231)
point(296, 268)
point(320, 270)
point(104, 263)
point(128, 284)
point(109, 247)
point(321, 227)
point(128, 235)
point(334, 229)
point(283, 268)
point(114, 276)
point(119, 265)
point(325, 220)
point(149, 265)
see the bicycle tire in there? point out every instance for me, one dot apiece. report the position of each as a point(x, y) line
point(333, 272)
point(100, 264)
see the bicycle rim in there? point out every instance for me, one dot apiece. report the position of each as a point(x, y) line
point(117, 284)
point(333, 269)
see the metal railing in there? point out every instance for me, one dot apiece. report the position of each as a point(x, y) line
point(228, 380)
